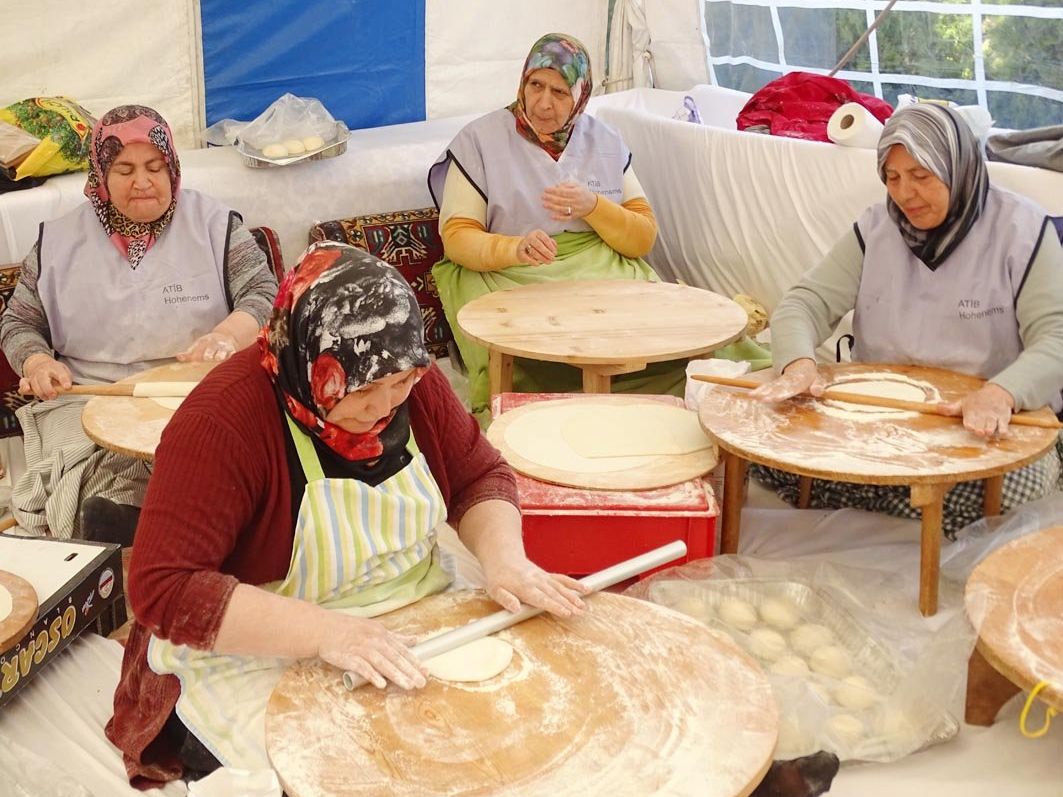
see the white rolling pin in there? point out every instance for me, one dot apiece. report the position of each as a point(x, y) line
point(486, 626)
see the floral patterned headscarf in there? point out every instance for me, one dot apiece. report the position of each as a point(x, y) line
point(569, 58)
point(129, 124)
point(342, 319)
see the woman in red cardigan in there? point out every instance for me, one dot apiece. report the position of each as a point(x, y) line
point(294, 497)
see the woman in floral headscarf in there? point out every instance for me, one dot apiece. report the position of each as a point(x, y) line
point(950, 271)
point(141, 273)
point(306, 477)
point(536, 192)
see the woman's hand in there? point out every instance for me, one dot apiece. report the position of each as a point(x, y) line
point(515, 580)
point(986, 411)
point(366, 647)
point(798, 377)
point(212, 346)
point(536, 249)
point(568, 200)
point(42, 375)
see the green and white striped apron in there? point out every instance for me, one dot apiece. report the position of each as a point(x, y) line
point(358, 549)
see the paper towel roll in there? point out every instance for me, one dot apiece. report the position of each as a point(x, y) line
point(853, 125)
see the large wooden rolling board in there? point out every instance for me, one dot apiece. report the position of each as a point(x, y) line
point(1014, 599)
point(133, 426)
point(628, 699)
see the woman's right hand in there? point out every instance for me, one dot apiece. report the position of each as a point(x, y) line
point(42, 375)
point(366, 647)
point(798, 377)
point(536, 249)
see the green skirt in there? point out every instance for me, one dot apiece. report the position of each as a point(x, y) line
point(580, 256)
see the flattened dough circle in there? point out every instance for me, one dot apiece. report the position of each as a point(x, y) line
point(478, 660)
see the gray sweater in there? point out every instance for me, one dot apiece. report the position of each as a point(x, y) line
point(810, 311)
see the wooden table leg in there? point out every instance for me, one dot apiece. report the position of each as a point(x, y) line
point(734, 482)
point(930, 498)
point(994, 495)
point(987, 691)
point(804, 491)
point(596, 381)
point(499, 372)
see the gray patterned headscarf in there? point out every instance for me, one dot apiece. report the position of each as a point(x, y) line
point(941, 142)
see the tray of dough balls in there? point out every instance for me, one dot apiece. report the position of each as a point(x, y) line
point(295, 149)
point(834, 682)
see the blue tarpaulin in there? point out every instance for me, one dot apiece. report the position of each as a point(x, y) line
point(364, 59)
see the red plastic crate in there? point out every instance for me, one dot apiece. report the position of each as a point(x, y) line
point(577, 531)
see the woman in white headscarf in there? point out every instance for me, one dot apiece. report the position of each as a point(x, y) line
point(951, 272)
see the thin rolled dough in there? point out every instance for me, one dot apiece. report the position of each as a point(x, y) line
point(537, 436)
point(6, 603)
point(895, 388)
point(170, 402)
point(629, 430)
point(156, 389)
point(476, 661)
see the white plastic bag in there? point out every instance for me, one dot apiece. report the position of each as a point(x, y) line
point(289, 127)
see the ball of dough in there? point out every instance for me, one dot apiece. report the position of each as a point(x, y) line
point(855, 692)
point(738, 614)
point(693, 606)
point(806, 638)
point(789, 665)
point(894, 724)
point(275, 151)
point(294, 146)
point(831, 660)
point(766, 644)
point(478, 660)
point(310, 143)
point(779, 614)
point(845, 729)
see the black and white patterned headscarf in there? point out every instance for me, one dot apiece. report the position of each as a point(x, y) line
point(942, 143)
point(342, 319)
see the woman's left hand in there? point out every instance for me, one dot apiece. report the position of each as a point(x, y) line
point(569, 201)
point(518, 580)
point(212, 346)
point(986, 411)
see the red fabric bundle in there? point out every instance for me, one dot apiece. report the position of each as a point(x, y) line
point(799, 105)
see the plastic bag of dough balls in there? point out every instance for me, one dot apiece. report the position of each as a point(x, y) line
point(298, 124)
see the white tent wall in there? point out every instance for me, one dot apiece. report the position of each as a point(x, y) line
point(474, 49)
point(105, 54)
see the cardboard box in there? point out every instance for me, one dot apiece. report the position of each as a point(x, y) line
point(76, 581)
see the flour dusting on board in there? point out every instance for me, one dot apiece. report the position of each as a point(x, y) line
point(629, 699)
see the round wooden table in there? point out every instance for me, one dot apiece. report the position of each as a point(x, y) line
point(630, 698)
point(132, 426)
point(604, 327)
point(927, 453)
point(1014, 599)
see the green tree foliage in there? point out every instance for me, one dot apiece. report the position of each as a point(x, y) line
point(1017, 49)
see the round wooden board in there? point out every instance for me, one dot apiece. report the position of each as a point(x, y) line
point(1014, 599)
point(23, 610)
point(652, 471)
point(799, 437)
point(629, 699)
point(133, 426)
point(603, 322)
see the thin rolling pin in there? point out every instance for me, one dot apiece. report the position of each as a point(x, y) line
point(141, 389)
point(486, 626)
point(1019, 419)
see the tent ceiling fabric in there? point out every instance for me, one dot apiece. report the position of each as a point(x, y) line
point(106, 54)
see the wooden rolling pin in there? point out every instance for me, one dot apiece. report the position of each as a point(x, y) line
point(486, 626)
point(1019, 419)
point(135, 389)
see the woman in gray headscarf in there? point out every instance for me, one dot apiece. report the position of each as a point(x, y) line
point(951, 272)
